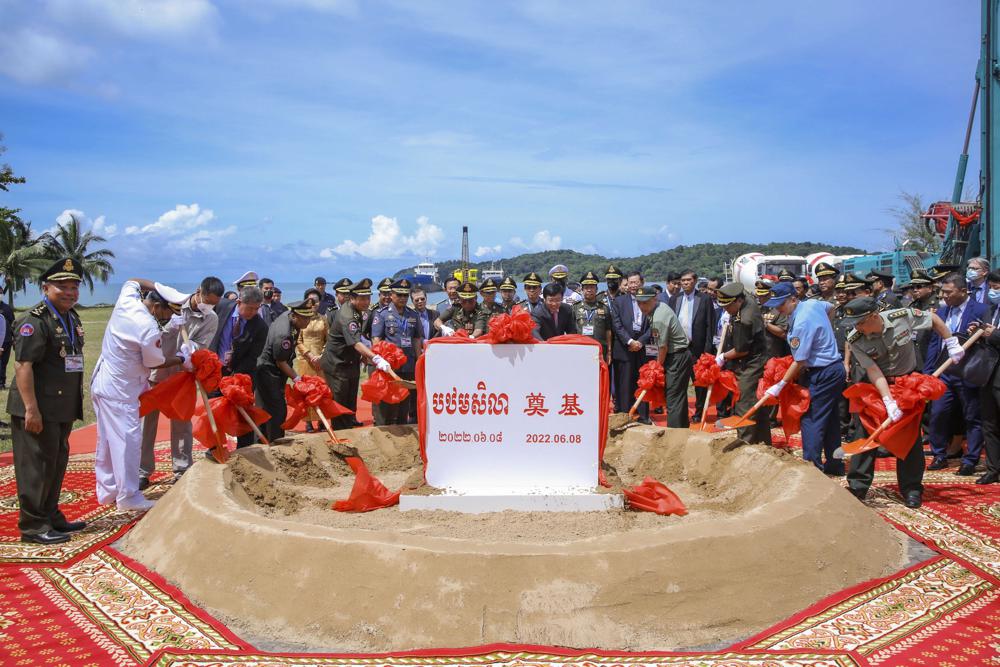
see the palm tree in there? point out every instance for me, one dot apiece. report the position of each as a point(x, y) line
point(68, 241)
point(22, 257)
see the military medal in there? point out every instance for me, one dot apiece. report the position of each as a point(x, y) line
point(62, 352)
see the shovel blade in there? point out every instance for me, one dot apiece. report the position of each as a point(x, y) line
point(734, 422)
point(706, 427)
point(409, 384)
point(860, 445)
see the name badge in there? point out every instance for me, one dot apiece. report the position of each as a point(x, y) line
point(652, 350)
point(405, 341)
point(74, 363)
point(588, 329)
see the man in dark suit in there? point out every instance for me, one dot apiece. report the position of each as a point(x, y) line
point(8, 339)
point(240, 338)
point(989, 395)
point(958, 313)
point(554, 317)
point(696, 312)
point(425, 314)
point(628, 351)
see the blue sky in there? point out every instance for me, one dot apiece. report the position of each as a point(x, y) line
point(299, 137)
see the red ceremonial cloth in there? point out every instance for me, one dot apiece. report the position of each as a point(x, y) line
point(654, 496)
point(379, 387)
point(568, 339)
point(310, 392)
point(653, 381)
point(368, 493)
point(911, 393)
point(513, 328)
point(176, 396)
point(237, 392)
point(793, 401)
point(708, 374)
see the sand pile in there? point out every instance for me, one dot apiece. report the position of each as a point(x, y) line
point(766, 536)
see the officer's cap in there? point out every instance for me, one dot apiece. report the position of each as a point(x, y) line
point(859, 308)
point(779, 293)
point(941, 270)
point(63, 269)
point(613, 272)
point(786, 276)
point(385, 285)
point(343, 285)
point(173, 298)
point(559, 271)
point(841, 284)
point(880, 275)
point(362, 288)
point(645, 293)
point(920, 279)
point(532, 280)
point(763, 287)
point(589, 278)
point(508, 283)
point(824, 269)
point(851, 281)
point(248, 279)
point(401, 286)
point(729, 292)
point(467, 291)
point(488, 285)
point(303, 308)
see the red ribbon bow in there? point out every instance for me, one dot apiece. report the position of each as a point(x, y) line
point(237, 392)
point(516, 327)
point(310, 391)
point(911, 393)
point(652, 380)
point(176, 396)
point(379, 387)
point(708, 374)
point(793, 400)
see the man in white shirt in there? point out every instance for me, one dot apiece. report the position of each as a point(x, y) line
point(132, 346)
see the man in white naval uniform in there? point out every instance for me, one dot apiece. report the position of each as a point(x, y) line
point(130, 349)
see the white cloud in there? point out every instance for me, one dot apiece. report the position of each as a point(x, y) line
point(160, 19)
point(33, 57)
point(345, 7)
point(327, 253)
point(181, 219)
point(387, 241)
point(542, 240)
point(488, 251)
point(98, 226)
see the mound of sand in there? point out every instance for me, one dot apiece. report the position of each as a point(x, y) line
point(766, 535)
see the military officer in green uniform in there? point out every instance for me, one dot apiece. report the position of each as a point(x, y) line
point(398, 324)
point(785, 276)
point(342, 291)
point(533, 292)
point(344, 351)
point(881, 282)
point(593, 317)
point(274, 365)
point(745, 353)
point(465, 316)
point(45, 400)
point(923, 298)
point(489, 305)
point(882, 343)
point(826, 279)
point(613, 280)
point(775, 324)
point(508, 295)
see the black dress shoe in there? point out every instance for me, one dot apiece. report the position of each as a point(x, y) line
point(912, 499)
point(967, 470)
point(143, 483)
point(645, 420)
point(69, 526)
point(860, 494)
point(989, 478)
point(48, 537)
point(938, 464)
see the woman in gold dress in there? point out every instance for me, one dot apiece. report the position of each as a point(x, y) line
point(309, 349)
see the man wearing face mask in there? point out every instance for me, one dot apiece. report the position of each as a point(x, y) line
point(131, 348)
point(196, 316)
point(975, 276)
point(266, 286)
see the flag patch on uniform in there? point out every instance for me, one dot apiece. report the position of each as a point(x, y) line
point(286, 344)
point(794, 343)
point(353, 326)
point(27, 329)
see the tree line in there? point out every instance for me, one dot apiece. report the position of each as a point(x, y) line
point(25, 254)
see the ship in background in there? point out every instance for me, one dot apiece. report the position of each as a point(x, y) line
point(493, 272)
point(425, 275)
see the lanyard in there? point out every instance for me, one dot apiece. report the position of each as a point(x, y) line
point(590, 314)
point(69, 330)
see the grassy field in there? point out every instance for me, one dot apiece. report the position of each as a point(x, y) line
point(94, 322)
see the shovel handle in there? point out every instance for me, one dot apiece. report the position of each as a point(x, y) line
point(750, 413)
point(329, 428)
point(969, 343)
point(204, 398)
point(635, 406)
point(253, 425)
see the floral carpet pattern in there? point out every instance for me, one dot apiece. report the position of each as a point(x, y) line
point(85, 604)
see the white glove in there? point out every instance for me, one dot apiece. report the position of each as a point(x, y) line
point(774, 390)
point(186, 350)
point(175, 324)
point(895, 414)
point(381, 364)
point(955, 351)
point(447, 330)
point(720, 359)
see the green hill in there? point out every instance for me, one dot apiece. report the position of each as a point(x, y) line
point(707, 259)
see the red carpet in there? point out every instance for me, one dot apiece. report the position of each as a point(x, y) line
point(83, 603)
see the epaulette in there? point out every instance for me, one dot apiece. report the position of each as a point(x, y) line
point(39, 310)
point(851, 337)
point(897, 313)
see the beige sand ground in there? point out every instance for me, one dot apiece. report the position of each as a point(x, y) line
point(766, 535)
